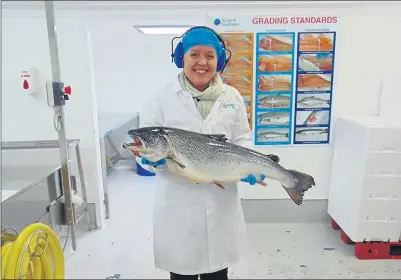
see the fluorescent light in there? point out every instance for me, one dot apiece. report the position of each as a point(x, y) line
point(162, 29)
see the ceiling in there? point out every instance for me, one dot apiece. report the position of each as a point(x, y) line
point(173, 5)
point(155, 10)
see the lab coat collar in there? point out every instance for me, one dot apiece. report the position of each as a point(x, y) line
point(178, 89)
point(191, 105)
point(177, 85)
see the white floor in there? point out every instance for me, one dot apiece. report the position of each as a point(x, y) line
point(123, 249)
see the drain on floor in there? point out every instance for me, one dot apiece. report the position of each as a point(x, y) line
point(328, 249)
point(115, 276)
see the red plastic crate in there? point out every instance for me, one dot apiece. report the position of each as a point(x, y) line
point(371, 250)
point(378, 250)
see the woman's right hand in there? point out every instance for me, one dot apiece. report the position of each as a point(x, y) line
point(154, 164)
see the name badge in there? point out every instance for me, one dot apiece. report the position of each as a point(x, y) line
point(228, 106)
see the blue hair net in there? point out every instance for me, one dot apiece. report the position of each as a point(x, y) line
point(204, 37)
point(200, 36)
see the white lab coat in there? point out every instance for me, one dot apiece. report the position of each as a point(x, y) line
point(198, 228)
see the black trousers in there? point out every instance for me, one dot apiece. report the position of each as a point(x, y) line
point(218, 275)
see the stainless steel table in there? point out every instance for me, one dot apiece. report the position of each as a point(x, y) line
point(113, 128)
point(32, 186)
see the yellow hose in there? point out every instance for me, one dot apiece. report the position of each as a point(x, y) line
point(35, 253)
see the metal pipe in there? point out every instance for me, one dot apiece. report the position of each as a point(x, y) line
point(42, 144)
point(59, 112)
point(83, 186)
point(104, 176)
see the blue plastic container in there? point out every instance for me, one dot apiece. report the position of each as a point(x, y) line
point(141, 171)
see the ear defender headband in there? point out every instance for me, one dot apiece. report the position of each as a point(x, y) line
point(177, 55)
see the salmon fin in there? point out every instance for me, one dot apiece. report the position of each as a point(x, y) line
point(296, 195)
point(274, 158)
point(260, 182)
point(305, 182)
point(219, 184)
point(218, 137)
point(179, 164)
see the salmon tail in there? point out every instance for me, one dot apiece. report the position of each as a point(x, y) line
point(303, 183)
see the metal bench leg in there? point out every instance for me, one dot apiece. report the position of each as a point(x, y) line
point(83, 185)
point(104, 175)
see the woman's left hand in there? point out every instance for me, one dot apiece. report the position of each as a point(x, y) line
point(252, 180)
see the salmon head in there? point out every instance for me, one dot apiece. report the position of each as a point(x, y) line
point(150, 143)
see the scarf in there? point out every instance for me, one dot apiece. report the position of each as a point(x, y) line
point(204, 100)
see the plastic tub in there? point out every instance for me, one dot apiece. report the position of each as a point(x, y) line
point(142, 170)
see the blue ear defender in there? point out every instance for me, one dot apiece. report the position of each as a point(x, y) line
point(177, 55)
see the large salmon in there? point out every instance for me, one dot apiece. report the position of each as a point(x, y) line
point(209, 158)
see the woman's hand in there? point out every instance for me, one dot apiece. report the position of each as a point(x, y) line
point(252, 180)
point(154, 164)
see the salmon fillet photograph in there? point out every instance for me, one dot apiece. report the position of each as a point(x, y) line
point(275, 63)
point(239, 63)
point(278, 42)
point(274, 83)
point(316, 42)
point(315, 62)
point(242, 83)
point(238, 42)
point(311, 82)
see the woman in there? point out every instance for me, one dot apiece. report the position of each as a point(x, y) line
point(199, 229)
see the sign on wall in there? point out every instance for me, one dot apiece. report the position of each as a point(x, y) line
point(290, 75)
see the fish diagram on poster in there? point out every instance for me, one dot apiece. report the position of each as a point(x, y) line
point(274, 87)
point(314, 87)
